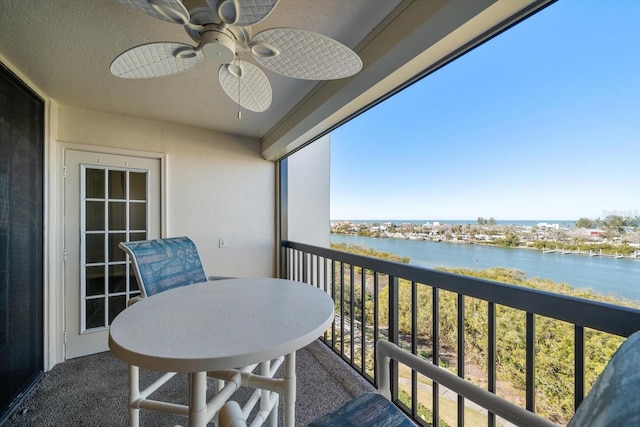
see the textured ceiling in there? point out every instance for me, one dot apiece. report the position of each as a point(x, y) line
point(65, 48)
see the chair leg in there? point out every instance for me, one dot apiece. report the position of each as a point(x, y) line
point(265, 370)
point(218, 385)
point(134, 395)
point(273, 419)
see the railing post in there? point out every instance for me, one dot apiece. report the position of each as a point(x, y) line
point(333, 295)
point(436, 353)
point(491, 362)
point(461, 321)
point(393, 332)
point(376, 312)
point(414, 347)
point(363, 322)
point(393, 309)
point(305, 267)
point(531, 363)
point(352, 326)
point(284, 264)
point(578, 361)
point(342, 309)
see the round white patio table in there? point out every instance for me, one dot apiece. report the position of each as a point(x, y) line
point(219, 325)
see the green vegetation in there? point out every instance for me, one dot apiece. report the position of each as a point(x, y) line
point(421, 410)
point(511, 239)
point(612, 222)
point(554, 339)
point(577, 245)
point(482, 221)
point(364, 251)
point(614, 235)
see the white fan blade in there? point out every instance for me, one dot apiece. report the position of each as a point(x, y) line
point(168, 10)
point(246, 84)
point(155, 60)
point(304, 55)
point(248, 12)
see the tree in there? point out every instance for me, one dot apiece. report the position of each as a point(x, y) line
point(511, 238)
point(614, 223)
point(584, 223)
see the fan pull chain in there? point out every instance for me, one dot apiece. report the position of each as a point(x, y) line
point(239, 80)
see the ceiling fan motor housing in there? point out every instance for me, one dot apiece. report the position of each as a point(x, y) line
point(218, 46)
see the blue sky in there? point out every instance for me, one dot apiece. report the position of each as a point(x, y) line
point(541, 122)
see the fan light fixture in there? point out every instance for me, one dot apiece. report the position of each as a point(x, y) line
point(222, 35)
point(218, 46)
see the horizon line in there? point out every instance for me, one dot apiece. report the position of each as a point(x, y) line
point(467, 219)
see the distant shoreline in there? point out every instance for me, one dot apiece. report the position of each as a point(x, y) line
point(604, 275)
point(563, 223)
point(546, 236)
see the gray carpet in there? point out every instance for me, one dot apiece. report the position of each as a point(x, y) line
point(92, 391)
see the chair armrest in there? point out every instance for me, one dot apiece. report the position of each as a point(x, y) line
point(231, 415)
point(501, 407)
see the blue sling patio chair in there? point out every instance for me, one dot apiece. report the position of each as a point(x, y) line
point(163, 264)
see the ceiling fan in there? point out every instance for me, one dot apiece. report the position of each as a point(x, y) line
point(221, 30)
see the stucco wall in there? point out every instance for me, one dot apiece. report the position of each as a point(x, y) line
point(309, 193)
point(218, 185)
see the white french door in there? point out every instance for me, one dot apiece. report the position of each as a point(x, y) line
point(108, 199)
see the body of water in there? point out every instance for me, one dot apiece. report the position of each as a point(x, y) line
point(603, 275)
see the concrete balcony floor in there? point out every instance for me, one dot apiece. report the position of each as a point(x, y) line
point(92, 391)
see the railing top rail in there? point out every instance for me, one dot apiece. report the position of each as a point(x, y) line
point(610, 318)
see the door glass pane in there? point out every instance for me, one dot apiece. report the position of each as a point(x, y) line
point(137, 186)
point(95, 248)
point(117, 215)
point(94, 216)
point(95, 313)
point(116, 184)
point(116, 305)
point(115, 253)
point(125, 219)
point(138, 216)
point(95, 280)
point(134, 237)
point(117, 279)
point(94, 183)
